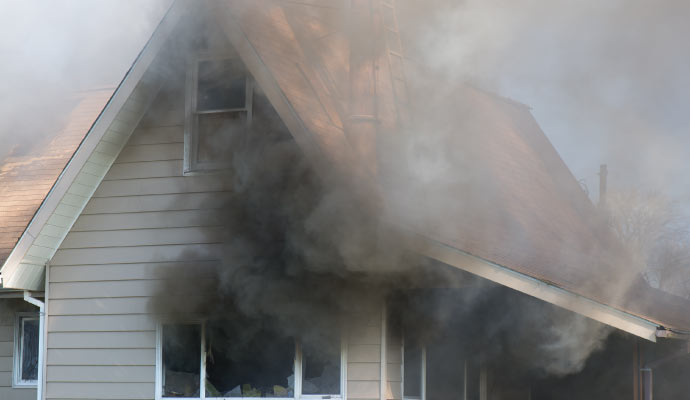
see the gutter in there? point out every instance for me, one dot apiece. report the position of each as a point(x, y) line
point(41, 340)
point(662, 332)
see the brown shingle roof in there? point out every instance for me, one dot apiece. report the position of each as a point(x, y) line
point(514, 202)
point(26, 177)
point(510, 200)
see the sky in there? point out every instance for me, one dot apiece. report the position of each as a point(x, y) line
point(607, 81)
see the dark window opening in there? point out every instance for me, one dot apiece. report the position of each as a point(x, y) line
point(29, 349)
point(244, 360)
point(219, 113)
point(181, 360)
point(221, 85)
point(446, 372)
point(412, 369)
point(321, 364)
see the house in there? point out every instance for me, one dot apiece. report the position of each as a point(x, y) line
point(113, 230)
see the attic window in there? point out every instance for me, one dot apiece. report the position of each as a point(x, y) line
point(219, 111)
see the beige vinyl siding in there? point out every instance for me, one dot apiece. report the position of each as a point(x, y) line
point(394, 366)
point(144, 219)
point(8, 313)
point(87, 180)
point(364, 354)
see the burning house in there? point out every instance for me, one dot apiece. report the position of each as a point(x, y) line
point(266, 206)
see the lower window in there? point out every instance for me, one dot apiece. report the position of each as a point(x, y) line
point(414, 370)
point(26, 350)
point(247, 359)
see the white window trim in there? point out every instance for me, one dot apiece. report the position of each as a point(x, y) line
point(422, 387)
point(191, 124)
point(17, 382)
point(202, 375)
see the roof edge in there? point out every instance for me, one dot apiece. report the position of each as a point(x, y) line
point(16, 273)
point(536, 288)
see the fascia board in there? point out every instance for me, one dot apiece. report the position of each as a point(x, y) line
point(535, 288)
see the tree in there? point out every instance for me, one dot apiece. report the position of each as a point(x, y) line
point(657, 234)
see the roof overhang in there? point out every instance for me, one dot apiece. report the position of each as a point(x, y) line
point(542, 290)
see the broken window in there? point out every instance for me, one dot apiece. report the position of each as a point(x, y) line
point(321, 362)
point(248, 359)
point(181, 354)
point(219, 110)
point(414, 366)
point(26, 350)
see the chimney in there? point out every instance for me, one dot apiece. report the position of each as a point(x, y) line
point(603, 174)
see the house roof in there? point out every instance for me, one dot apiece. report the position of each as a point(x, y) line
point(512, 206)
point(516, 204)
point(29, 173)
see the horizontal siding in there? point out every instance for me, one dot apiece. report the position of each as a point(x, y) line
point(91, 290)
point(146, 169)
point(8, 312)
point(126, 272)
point(101, 306)
point(105, 356)
point(142, 237)
point(147, 186)
point(100, 390)
point(144, 222)
point(161, 202)
point(158, 135)
point(150, 220)
point(151, 152)
point(100, 323)
point(101, 373)
point(364, 353)
point(133, 254)
point(95, 340)
point(8, 393)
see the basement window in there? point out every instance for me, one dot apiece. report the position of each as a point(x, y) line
point(242, 359)
point(26, 350)
point(218, 112)
point(414, 370)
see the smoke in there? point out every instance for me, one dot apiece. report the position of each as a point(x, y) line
point(52, 51)
point(305, 246)
point(606, 80)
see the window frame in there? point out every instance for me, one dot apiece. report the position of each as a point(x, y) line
point(422, 371)
point(297, 368)
point(191, 166)
point(18, 353)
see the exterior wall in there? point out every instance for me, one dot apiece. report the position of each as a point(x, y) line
point(8, 312)
point(393, 365)
point(364, 353)
point(144, 218)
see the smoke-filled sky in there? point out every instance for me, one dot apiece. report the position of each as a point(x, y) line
point(607, 81)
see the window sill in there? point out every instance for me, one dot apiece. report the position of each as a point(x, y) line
point(24, 386)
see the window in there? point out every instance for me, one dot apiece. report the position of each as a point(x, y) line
point(246, 359)
point(26, 350)
point(218, 112)
point(321, 363)
point(414, 370)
